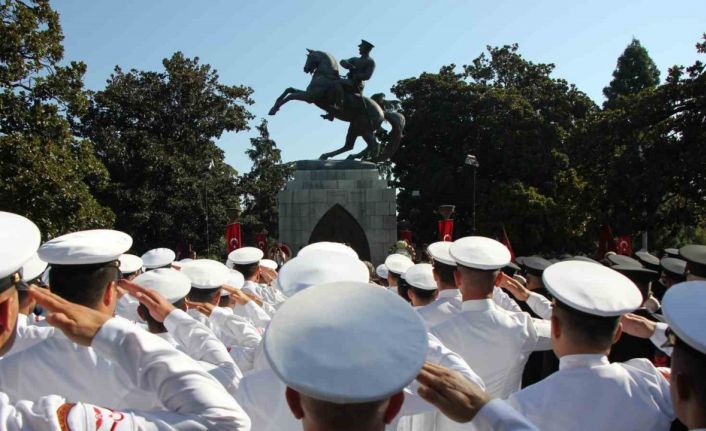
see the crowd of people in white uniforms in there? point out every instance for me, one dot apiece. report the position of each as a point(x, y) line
point(94, 338)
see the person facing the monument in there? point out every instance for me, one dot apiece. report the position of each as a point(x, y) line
point(360, 69)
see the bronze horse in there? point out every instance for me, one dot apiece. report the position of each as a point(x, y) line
point(364, 115)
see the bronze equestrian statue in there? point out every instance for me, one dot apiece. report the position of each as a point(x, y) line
point(343, 99)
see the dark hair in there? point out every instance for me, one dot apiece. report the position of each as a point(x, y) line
point(247, 270)
point(203, 295)
point(82, 284)
point(423, 293)
point(692, 363)
point(594, 331)
point(154, 325)
point(402, 288)
point(445, 272)
point(223, 301)
point(394, 276)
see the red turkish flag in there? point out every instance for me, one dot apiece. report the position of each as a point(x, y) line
point(406, 235)
point(261, 242)
point(446, 230)
point(606, 242)
point(506, 242)
point(624, 245)
point(233, 237)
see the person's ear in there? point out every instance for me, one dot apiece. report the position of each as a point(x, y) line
point(216, 298)
point(394, 406)
point(682, 386)
point(458, 278)
point(618, 333)
point(295, 402)
point(111, 293)
point(556, 327)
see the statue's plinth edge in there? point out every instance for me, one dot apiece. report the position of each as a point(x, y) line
point(315, 165)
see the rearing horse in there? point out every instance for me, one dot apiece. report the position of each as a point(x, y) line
point(364, 115)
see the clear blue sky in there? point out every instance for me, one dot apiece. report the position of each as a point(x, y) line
point(262, 44)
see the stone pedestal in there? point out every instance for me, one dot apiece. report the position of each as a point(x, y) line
point(339, 200)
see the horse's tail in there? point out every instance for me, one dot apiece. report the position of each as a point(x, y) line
point(397, 121)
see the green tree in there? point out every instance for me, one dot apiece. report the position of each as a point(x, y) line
point(260, 186)
point(514, 117)
point(634, 72)
point(155, 132)
point(47, 173)
point(643, 159)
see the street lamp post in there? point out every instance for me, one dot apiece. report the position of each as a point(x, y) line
point(472, 161)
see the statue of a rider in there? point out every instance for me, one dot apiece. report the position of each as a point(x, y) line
point(360, 69)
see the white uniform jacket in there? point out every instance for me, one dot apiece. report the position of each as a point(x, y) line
point(193, 399)
point(589, 393)
point(495, 343)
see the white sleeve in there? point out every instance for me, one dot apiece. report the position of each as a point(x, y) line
point(439, 354)
point(194, 399)
point(504, 301)
point(202, 345)
point(27, 336)
point(540, 334)
point(240, 330)
point(659, 338)
point(499, 416)
point(255, 313)
point(540, 305)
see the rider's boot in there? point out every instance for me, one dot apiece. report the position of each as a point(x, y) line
point(328, 116)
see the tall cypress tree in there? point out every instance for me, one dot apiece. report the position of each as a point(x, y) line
point(634, 72)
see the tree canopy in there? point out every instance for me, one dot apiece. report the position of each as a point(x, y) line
point(155, 132)
point(634, 72)
point(48, 174)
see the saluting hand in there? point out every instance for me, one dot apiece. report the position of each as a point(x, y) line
point(205, 308)
point(79, 323)
point(513, 286)
point(637, 326)
point(236, 296)
point(155, 303)
point(455, 396)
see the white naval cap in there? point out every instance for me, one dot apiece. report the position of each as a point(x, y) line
point(592, 288)
point(246, 255)
point(381, 271)
point(86, 247)
point(421, 276)
point(33, 268)
point(206, 273)
point(479, 252)
point(320, 267)
point(168, 282)
point(398, 264)
point(185, 260)
point(269, 264)
point(683, 306)
point(331, 247)
point(367, 346)
point(19, 239)
point(130, 263)
point(439, 251)
point(235, 279)
point(158, 257)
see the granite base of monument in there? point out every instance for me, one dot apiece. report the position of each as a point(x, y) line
point(339, 200)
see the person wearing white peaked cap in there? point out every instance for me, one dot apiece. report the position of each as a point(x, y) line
point(237, 333)
point(332, 247)
point(261, 393)
point(381, 272)
point(449, 300)
point(319, 267)
point(589, 300)
point(130, 267)
point(246, 260)
point(142, 362)
point(495, 342)
point(158, 258)
point(182, 331)
point(422, 286)
point(396, 265)
point(269, 264)
point(332, 383)
point(683, 306)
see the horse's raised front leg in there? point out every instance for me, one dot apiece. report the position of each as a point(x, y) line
point(285, 97)
point(350, 143)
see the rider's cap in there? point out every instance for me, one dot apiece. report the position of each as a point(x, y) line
point(365, 44)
